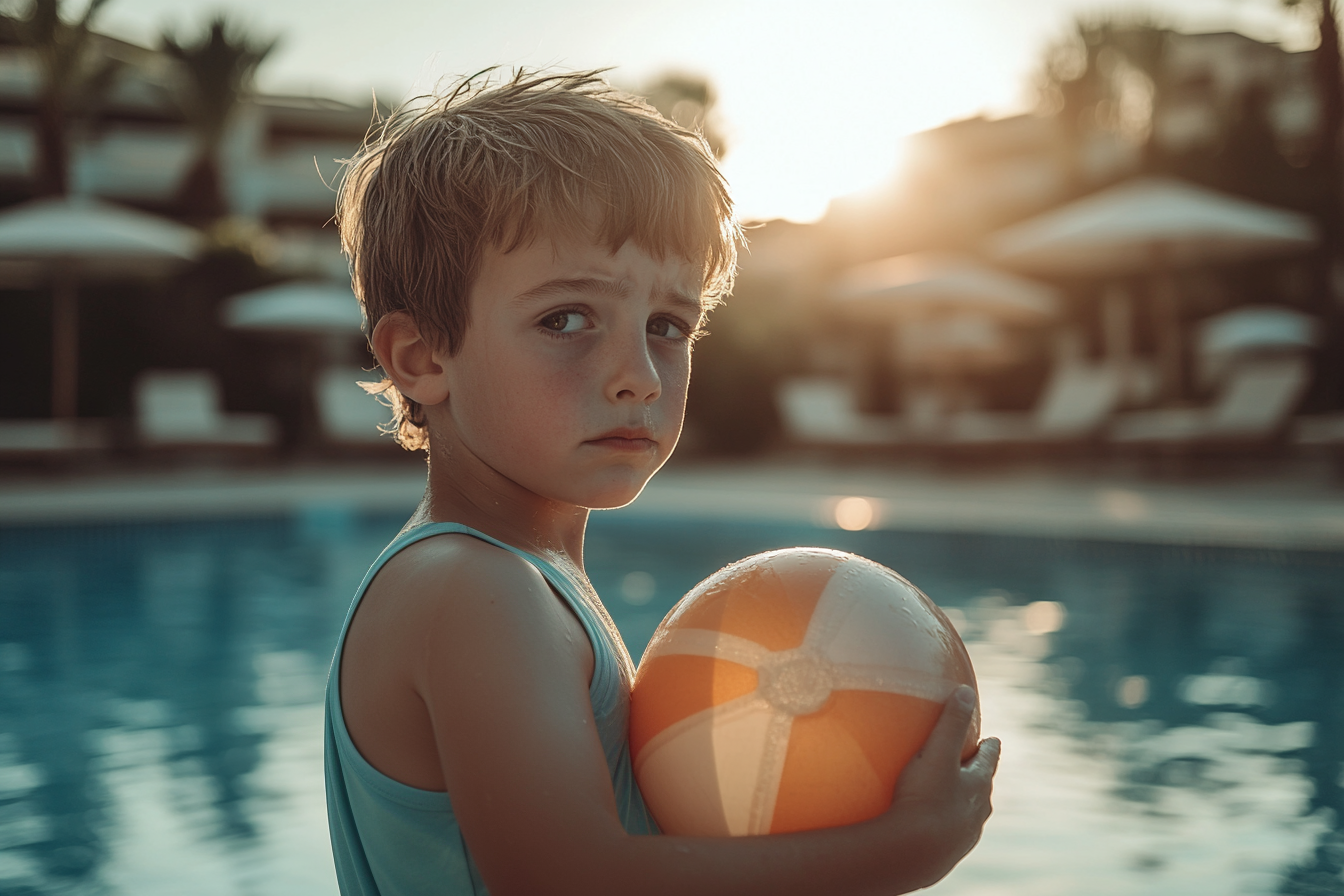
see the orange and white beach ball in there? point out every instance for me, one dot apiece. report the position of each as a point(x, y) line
point(787, 691)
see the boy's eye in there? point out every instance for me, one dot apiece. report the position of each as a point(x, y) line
point(563, 322)
point(668, 329)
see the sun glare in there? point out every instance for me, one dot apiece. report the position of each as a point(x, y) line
point(854, 514)
point(863, 77)
point(815, 98)
point(799, 186)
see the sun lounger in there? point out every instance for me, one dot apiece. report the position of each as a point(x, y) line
point(1077, 401)
point(1253, 406)
point(1319, 430)
point(184, 408)
point(348, 414)
point(822, 411)
point(51, 438)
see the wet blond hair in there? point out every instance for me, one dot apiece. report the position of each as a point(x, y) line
point(486, 165)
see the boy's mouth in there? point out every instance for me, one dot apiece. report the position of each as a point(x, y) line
point(625, 440)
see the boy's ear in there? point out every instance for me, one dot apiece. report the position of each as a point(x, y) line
point(409, 359)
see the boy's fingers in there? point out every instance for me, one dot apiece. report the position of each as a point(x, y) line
point(986, 758)
point(950, 732)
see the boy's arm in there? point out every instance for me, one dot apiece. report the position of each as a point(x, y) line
point(505, 682)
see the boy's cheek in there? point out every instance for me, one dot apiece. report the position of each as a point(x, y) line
point(676, 376)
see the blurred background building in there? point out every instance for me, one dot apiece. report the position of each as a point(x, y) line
point(1194, 180)
point(1168, 187)
point(147, 359)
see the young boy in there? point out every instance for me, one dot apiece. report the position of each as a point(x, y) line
point(536, 259)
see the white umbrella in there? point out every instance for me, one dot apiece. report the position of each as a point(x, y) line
point(326, 315)
point(1146, 222)
point(935, 284)
point(69, 239)
point(1151, 225)
point(93, 234)
point(318, 308)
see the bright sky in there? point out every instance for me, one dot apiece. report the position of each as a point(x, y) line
point(814, 95)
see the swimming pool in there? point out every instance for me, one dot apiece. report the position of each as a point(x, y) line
point(1173, 718)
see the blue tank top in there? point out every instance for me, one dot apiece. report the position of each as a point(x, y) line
point(391, 839)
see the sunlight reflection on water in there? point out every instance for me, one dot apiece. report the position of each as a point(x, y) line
point(1172, 717)
point(1130, 806)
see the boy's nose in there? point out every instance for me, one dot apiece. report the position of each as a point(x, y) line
point(634, 377)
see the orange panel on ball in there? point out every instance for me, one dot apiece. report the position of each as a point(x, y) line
point(677, 686)
point(827, 779)
point(762, 608)
point(843, 762)
point(890, 728)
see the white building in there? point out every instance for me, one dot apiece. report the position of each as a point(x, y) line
point(279, 160)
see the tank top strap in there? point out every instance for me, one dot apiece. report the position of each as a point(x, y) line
point(612, 668)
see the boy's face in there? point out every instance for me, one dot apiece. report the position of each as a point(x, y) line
point(571, 379)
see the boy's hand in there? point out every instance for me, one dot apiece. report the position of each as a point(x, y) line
point(941, 804)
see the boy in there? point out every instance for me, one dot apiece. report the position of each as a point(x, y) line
point(536, 259)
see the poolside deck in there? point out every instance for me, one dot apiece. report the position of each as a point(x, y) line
point(1274, 511)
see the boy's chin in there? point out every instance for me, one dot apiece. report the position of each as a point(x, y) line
point(615, 495)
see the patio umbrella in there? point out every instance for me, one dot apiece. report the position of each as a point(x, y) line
point(953, 313)
point(1151, 225)
point(296, 308)
point(1131, 227)
point(322, 316)
point(935, 284)
point(67, 240)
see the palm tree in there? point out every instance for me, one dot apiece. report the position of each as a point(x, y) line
point(73, 77)
point(220, 69)
point(1097, 79)
point(1327, 162)
point(1328, 74)
point(689, 101)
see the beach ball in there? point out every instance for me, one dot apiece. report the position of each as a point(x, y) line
point(787, 691)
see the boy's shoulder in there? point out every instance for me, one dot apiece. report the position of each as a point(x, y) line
point(457, 564)
point(451, 629)
point(451, 588)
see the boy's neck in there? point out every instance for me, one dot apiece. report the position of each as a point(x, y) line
point(462, 489)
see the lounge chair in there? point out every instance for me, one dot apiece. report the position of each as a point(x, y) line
point(51, 438)
point(183, 408)
point(348, 414)
point(1076, 402)
point(1253, 406)
point(1319, 430)
point(822, 411)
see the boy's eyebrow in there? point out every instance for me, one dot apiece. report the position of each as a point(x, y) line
point(610, 288)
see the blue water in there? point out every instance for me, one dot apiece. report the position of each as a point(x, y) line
point(1173, 718)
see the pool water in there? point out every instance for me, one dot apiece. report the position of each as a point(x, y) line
point(1173, 718)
